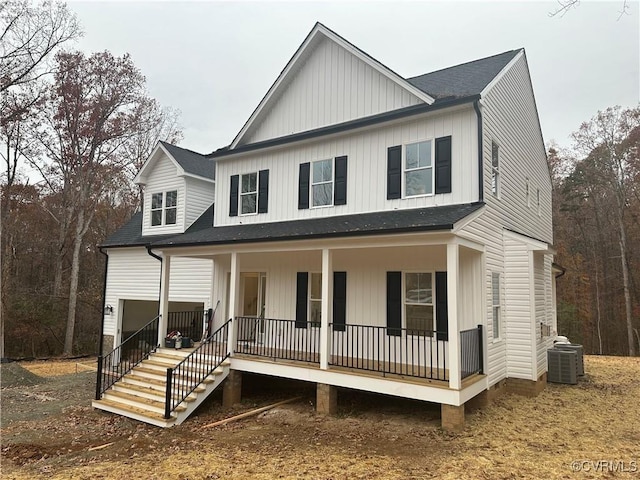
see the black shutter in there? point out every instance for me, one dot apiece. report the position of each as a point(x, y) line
point(340, 192)
point(339, 301)
point(443, 165)
point(442, 310)
point(263, 191)
point(394, 172)
point(303, 186)
point(233, 197)
point(302, 293)
point(394, 303)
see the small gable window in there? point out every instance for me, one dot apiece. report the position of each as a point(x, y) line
point(418, 169)
point(527, 192)
point(164, 208)
point(322, 183)
point(495, 169)
point(249, 193)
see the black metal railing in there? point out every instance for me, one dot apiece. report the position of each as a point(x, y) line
point(471, 343)
point(185, 377)
point(189, 324)
point(399, 351)
point(277, 339)
point(117, 363)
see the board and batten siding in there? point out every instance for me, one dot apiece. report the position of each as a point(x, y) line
point(366, 152)
point(200, 195)
point(332, 86)
point(518, 309)
point(164, 178)
point(134, 275)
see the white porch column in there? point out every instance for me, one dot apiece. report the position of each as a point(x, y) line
point(453, 268)
point(164, 299)
point(234, 290)
point(327, 304)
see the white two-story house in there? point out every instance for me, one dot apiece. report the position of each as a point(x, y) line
point(369, 231)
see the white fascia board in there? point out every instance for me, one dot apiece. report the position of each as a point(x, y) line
point(141, 177)
point(502, 73)
point(192, 175)
point(320, 29)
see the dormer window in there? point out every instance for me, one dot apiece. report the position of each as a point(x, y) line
point(164, 208)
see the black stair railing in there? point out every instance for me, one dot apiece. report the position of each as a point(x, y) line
point(121, 360)
point(185, 377)
point(189, 324)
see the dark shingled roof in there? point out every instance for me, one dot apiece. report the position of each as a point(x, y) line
point(377, 223)
point(462, 80)
point(130, 234)
point(192, 162)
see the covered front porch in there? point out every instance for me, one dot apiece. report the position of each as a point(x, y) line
point(403, 307)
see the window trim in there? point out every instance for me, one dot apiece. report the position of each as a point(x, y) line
point(163, 208)
point(240, 194)
point(528, 192)
point(432, 304)
point(310, 322)
point(496, 310)
point(431, 166)
point(538, 201)
point(312, 184)
point(495, 170)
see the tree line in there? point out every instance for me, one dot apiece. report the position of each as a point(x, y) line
point(75, 129)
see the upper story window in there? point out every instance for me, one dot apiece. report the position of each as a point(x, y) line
point(164, 208)
point(249, 193)
point(495, 169)
point(322, 183)
point(418, 169)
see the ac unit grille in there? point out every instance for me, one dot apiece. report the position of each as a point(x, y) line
point(562, 366)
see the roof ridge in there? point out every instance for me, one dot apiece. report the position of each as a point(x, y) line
point(204, 155)
point(464, 63)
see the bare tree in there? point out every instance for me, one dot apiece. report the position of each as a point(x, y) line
point(565, 5)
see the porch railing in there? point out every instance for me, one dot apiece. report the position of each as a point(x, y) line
point(185, 377)
point(121, 360)
point(408, 352)
point(277, 339)
point(471, 342)
point(189, 324)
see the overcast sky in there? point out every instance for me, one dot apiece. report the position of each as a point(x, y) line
point(214, 61)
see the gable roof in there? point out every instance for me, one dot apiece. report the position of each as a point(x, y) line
point(377, 223)
point(318, 32)
point(188, 162)
point(130, 234)
point(463, 80)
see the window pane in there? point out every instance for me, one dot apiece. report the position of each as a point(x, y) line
point(322, 171)
point(494, 155)
point(418, 288)
point(170, 216)
point(424, 152)
point(315, 312)
point(419, 319)
point(496, 322)
point(249, 203)
point(316, 286)
point(172, 198)
point(156, 200)
point(322, 194)
point(249, 182)
point(418, 182)
point(411, 160)
point(156, 217)
point(495, 288)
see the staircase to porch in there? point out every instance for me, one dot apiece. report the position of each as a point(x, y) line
point(141, 393)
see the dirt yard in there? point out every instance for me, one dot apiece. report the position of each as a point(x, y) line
point(50, 431)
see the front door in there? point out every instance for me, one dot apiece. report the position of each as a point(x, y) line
point(253, 288)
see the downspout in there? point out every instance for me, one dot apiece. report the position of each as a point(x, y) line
point(157, 257)
point(476, 107)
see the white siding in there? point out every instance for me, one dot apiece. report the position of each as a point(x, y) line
point(199, 197)
point(510, 119)
point(163, 178)
point(134, 274)
point(518, 310)
point(331, 86)
point(544, 308)
point(367, 169)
